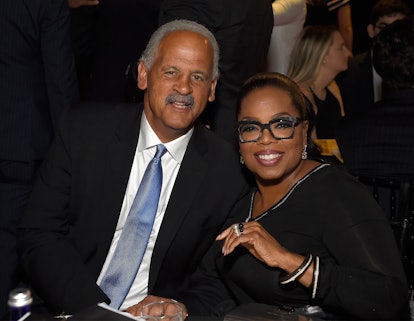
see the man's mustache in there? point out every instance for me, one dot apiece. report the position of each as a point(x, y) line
point(181, 99)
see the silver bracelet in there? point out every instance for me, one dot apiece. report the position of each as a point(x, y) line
point(315, 277)
point(298, 272)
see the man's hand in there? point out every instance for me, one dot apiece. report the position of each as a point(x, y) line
point(136, 309)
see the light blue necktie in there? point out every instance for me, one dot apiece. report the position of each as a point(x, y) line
point(133, 242)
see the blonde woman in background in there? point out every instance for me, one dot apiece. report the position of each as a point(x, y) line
point(318, 56)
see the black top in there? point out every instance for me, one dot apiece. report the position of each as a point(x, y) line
point(329, 214)
point(328, 115)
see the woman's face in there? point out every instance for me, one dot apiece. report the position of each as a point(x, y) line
point(338, 54)
point(270, 159)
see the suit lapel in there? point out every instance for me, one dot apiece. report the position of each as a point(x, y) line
point(189, 179)
point(119, 153)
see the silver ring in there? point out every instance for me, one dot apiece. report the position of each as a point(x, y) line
point(236, 230)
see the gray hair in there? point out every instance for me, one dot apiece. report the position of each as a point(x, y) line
point(180, 25)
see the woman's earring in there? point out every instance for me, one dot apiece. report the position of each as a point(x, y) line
point(241, 160)
point(304, 152)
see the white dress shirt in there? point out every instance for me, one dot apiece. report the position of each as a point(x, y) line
point(171, 163)
point(377, 84)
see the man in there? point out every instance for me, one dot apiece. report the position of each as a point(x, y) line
point(86, 186)
point(379, 142)
point(244, 38)
point(38, 80)
point(360, 12)
point(360, 85)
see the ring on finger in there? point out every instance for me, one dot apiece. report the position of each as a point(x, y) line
point(236, 230)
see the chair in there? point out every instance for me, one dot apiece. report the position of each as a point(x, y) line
point(396, 197)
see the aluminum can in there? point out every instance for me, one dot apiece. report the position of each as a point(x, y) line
point(20, 300)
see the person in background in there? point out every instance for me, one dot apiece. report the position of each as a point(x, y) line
point(378, 142)
point(243, 37)
point(361, 85)
point(38, 80)
point(289, 17)
point(377, 146)
point(84, 196)
point(317, 58)
point(337, 13)
point(360, 13)
point(308, 236)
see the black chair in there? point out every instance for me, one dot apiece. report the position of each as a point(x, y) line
point(396, 197)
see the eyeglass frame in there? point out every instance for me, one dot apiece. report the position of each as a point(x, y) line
point(295, 121)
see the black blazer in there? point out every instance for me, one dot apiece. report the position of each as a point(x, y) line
point(356, 84)
point(379, 142)
point(38, 78)
point(74, 209)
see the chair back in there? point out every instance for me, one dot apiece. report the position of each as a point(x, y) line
point(396, 197)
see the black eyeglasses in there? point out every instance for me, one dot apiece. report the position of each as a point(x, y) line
point(280, 128)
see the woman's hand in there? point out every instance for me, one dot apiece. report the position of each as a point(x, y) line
point(136, 309)
point(256, 240)
point(264, 247)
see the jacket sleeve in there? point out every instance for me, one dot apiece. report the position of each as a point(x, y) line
point(52, 264)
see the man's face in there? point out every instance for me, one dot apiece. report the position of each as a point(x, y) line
point(382, 22)
point(178, 85)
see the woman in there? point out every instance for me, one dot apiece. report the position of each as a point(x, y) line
point(308, 235)
point(318, 56)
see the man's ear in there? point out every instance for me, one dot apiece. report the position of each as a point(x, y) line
point(142, 77)
point(370, 30)
point(212, 95)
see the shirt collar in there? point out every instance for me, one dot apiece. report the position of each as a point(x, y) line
point(148, 138)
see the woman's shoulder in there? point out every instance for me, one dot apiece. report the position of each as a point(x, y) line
point(333, 179)
point(347, 200)
point(329, 172)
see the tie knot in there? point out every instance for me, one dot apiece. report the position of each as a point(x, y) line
point(161, 150)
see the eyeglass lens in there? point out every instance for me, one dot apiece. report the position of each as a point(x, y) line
point(281, 128)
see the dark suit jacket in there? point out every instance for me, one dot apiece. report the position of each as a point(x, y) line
point(38, 78)
point(380, 142)
point(74, 209)
point(356, 84)
point(242, 29)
